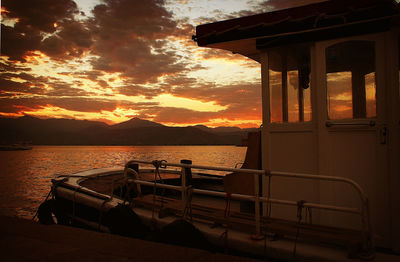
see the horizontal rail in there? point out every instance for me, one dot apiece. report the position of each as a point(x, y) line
point(268, 173)
point(248, 197)
point(160, 185)
point(363, 212)
point(358, 188)
point(239, 170)
point(356, 123)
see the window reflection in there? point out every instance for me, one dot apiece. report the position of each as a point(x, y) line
point(289, 82)
point(275, 87)
point(339, 95)
point(350, 78)
point(307, 104)
point(293, 95)
point(370, 94)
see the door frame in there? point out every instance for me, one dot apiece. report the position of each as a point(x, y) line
point(380, 122)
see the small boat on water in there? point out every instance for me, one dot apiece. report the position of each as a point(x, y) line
point(15, 147)
point(320, 180)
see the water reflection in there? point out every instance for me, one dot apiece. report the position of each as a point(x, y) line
point(25, 176)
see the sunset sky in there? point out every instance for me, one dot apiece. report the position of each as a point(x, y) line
point(112, 60)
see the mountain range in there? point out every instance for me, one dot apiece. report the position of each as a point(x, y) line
point(135, 131)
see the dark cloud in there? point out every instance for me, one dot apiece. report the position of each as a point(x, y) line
point(40, 14)
point(17, 42)
point(133, 38)
point(79, 104)
point(130, 38)
point(31, 85)
point(9, 86)
point(273, 5)
point(180, 80)
point(136, 90)
point(73, 40)
point(36, 19)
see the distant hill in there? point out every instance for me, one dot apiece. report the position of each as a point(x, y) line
point(221, 129)
point(224, 129)
point(132, 132)
point(136, 123)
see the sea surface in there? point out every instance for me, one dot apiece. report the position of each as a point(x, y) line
point(25, 176)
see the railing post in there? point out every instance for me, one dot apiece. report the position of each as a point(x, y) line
point(186, 175)
point(186, 166)
point(257, 204)
point(183, 185)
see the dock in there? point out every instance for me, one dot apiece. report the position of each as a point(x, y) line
point(26, 240)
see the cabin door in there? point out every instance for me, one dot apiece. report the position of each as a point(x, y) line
point(352, 136)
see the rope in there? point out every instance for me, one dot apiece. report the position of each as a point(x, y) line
point(51, 193)
point(308, 215)
point(300, 206)
point(269, 204)
point(47, 197)
point(188, 205)
point(157, 164)
point(268, 215)
point(226, 216)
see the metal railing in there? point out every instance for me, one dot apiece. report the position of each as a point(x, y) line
point(362, 211)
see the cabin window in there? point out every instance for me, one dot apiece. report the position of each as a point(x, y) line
point(351, 80)
point(289, 82)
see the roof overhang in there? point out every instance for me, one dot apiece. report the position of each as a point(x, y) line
point(310, 23)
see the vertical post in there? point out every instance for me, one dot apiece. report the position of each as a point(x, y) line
point(186, 178)
point(257, 204)
point(265, 91)
point(183, 185)
point(284, 89)
point(266, 104)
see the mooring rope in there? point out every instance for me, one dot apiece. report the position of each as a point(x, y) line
point(157, 164)
point(300, 206)
point(227, 212)
point(188, 205)
point(268, 215)
point(51, 193)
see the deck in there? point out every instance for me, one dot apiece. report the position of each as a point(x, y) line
point(213, 212)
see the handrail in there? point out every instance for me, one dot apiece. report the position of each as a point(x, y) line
point(370, 123)
point(241, 170)
point(263, 172)
point(363, 212)
point(351, 182)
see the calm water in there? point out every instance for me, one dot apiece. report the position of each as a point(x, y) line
point(25, 175)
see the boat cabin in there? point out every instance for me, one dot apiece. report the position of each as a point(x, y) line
point(331, 105)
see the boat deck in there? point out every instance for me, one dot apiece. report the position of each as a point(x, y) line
point(214, 212)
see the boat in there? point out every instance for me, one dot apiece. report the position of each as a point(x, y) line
point(320, 180)
point(15, 147)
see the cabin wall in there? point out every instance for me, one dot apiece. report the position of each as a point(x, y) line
point(289, 147)
point(357, 151)
point(392, 40)
point(293, 151)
